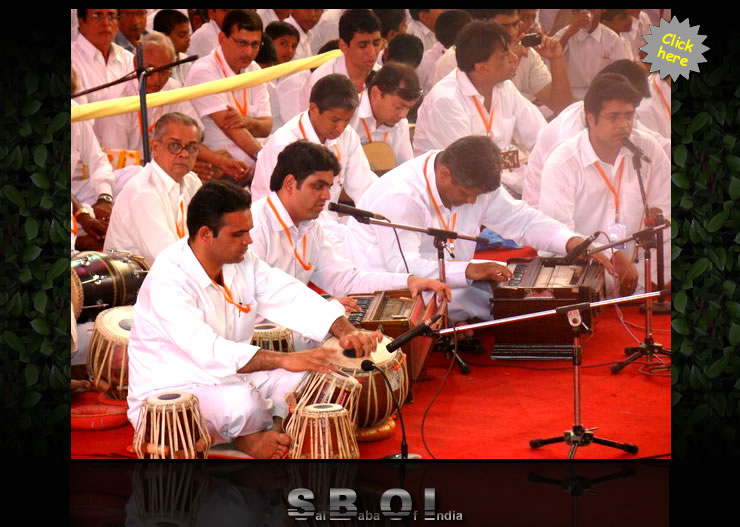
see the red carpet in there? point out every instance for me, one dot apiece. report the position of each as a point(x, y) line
point(495, 410)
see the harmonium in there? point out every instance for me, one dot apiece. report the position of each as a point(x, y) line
point(542, 284)
point(395, 312)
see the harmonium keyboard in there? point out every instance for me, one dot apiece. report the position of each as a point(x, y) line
point(542, 284)
point(395, 312)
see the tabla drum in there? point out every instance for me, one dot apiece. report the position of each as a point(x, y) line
point(270, 336)
point(322, 431)
point(335, 387)
point(171, 427)
point(376, 402)
point(108, 280)
point(107, 360)
point(77, 298)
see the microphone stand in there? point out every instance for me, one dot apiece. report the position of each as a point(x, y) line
point(578, 435)
point(440, 242)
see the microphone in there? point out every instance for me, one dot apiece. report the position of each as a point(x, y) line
point(580, 249)
point(367, 365)
point(412, 333)
point(357, 213)
point(636, 150)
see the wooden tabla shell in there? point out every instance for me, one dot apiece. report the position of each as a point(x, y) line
point(376, 403)
point(273, 337)
point(107, 360)
point(171, 427)
point(322, 431)
point(335, 387)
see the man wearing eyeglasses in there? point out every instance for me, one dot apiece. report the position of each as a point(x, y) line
point(151, 210)
point(234, 120)
point(131, 27)
point(589, 182)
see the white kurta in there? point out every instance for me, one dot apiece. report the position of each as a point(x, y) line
point(418, 29)
point(449, 113)
point(355, 176)
point(566, 125)
point(531, 75)
point(97, 177)
point(326, 29)
point(186, 337)
point(586, 54)
point(403, 197)
point(425, 70)
point(208, 69)
point(146, 214)
point(204, 39)
point(396, 136)
point(338, 66)
point(654, 112)
point(304, 40)
point(573, 191)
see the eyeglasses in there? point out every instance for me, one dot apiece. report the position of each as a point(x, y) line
point(175, 148)
point(241, 44)
point(98, 17)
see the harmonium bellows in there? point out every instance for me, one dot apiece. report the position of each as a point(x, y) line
point(542, 284)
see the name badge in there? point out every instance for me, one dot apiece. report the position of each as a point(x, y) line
point(617, 231)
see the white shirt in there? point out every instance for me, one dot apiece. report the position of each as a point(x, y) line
point(449, 113)
point(531, 75)
point(403, 197)
point(586, 54)
point(573, 191)
point(146, 214)
point(185, 332)
point(267, 16)
point(326, 29)
point(204, 39)
point(287, 97)
point(180, 72)
point(304, 42)
point(397, 136)
point(329, 270)
point(209, 69)
point(444, 65)
point(566, 125)
point(655, 111)
point(355, 176)
point(92, 70)
point(123, 131)
point(418, 29)
point(640, 27)
point(97, 176)
point(425, 70)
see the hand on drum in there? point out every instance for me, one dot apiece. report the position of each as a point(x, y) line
point(316, 359)
point(417, 284)
point(363, 342)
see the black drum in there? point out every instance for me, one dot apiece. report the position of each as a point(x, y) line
point(108, 280)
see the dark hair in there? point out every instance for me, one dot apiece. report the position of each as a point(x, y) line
point(241, 19)
point(357, 21)
point(267, 54)
point(390, 19)
point(212, 201)
point(167, 19)
point(405, 48)
point(332, 44)
point(415, 13)
point(608, 14)
point(396, 78)
point(483, 14)
point(334, 91)
point(476, 43)
point(301, 159)
point(449, 24)
point(474, 161)
point(281, 29)
point(633, 71)
point(608, 87)
point(496, 12)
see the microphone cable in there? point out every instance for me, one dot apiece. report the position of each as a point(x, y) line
point(400, 250)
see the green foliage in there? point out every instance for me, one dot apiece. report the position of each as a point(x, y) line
point(34, 248)
point(706, 259)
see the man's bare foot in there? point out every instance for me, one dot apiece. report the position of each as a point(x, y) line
point(269, 444)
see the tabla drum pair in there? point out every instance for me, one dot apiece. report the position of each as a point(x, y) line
point(107, 359)
point(104, 280)
point(272, 337)
point(171, 427)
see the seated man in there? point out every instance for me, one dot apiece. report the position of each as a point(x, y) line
point(381, 116)
point(175, 25)
point(479, 99)
point(446, 29)
point(237, 133)
point(333, 103)
point(423, 25)
point(456, 189)
point(194, 319)
point(149, 214)
point(590, 184)
point(304, 20)
point(205, 39)
point(286, 92)
point(287, 236)
point(572, 120)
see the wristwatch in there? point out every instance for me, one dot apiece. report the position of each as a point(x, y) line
point(106, 197)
